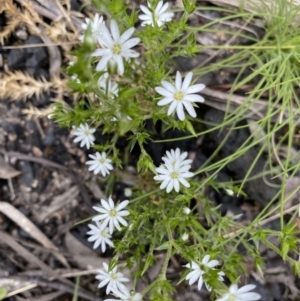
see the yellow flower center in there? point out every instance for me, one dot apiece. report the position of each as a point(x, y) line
point(87, 132)
point(231, 298)
point(112, 212)
point(113, 276)
point(116, 49)
point(174, 175)
point(178, 96)
point(102, 233)
point(102, 161)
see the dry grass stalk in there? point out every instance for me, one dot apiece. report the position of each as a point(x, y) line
point(59, 33)
point(18, 85)
point(12, 16)
point(31, 18)
point(33, 112)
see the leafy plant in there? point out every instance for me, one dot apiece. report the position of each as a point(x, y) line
point(185, 223)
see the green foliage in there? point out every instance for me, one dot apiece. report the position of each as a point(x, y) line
point(157, 221)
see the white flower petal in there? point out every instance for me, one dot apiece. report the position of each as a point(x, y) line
point(194, 98)
point(172, 107)
point(168, 86)
point(120, 64)
point(195, 88)
point(200, 283)
point(165, 101)
point(176, 185)
point(189, 108)
point(122, 205)
point(246, 288)
point(126, 35)
point(102, 65)
point(165, 183)
point(114, 30)
point(164, 92)
point(180, 112)
point(212, 263)
point(131, 43)
point(194, 276)
point(145, 10)
point(178, 81)
point(184, 182)
point(170, 186)
point(158, 7)
point(186, 82)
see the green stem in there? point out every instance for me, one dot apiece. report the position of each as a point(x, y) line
point(276, 250)
point(168, 255)
point(144, 195)
point(245, 47)
point(162, 275)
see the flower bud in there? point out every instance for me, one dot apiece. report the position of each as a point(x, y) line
point(128, 192)
point(229, 192)
point(186, 210)
point(185, 237)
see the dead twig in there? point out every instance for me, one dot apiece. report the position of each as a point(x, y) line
point(46, 162)
point(37, 281)
point(50, 10)
point(220, 51)
point(65, 285)
point(8, 240)
point(47, 297)
point(54, 55)
point(23, 222)
point(40, 45)
point(256, 108)
point(57, 203)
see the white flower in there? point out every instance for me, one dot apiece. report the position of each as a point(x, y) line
point(240, 294)
point(96, 26)
point(185, 237)
point(159, 16)
point(107, 86)
point(182, 94)
point(99, 236)
point(126, 295)
point(100, 163)
point(172, 173)
point(84, 134)
point(198, 272)
point(173, 155)
point(111, 215)
point(115, 47)
point(113, 279)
